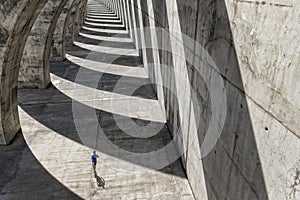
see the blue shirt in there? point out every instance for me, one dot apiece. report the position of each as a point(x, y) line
point(94, 158)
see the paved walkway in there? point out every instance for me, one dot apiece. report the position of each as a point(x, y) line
point(101, 99)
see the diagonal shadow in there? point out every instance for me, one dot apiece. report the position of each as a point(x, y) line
point(138, 87)
point(103, 27)
point(107, 22)
point(121, 35)
point(122, 45)
point(20, 167)
point(42, 103)
point(233, 168)
point(122, 60)
point(100, 15)
point(100, 18)
point(100, 181)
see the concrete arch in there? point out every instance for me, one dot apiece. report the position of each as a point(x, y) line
point(83, 13)
point(69, 27)
point(47, 55)
point(79, 16)
point(58, 51)
point(18, 18)
point(19, 22)
point(35, 69)
point(65, 27)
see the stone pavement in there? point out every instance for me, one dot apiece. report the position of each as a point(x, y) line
point(100, 98)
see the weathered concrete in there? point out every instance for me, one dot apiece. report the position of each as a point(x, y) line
point(241, 165)
point(58, 43)
point(62, 150)
point(67, 27)
point(269, 67)
point(35, 68)
point(266, 39)
point(241, 66)
point(70, 28)
point(18, 18)
point(15, 28)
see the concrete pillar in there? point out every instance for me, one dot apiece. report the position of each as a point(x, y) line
point(115, 5)
point(65, 26)
point(133, 17)
point(14, 32)
point(142, 35)
point(79, 16)
point(122, 13)
point(83, 13)
point(58, 50)
point(70, 28)
point(35, 69)
point(156, 58)
point(184, 97)
point(129, 19)
point(125, 14)
point(110, 5)
point(119, 10)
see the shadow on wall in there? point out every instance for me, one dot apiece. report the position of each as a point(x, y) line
point(232, 169)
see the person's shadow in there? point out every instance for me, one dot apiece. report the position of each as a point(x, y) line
point(100, 181)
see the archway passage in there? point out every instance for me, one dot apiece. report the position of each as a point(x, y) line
point(19, 21)
point(103, 68)
point(227, 99)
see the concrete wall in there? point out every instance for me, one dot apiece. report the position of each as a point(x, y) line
point(252, 47)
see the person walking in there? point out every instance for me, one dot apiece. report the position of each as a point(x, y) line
point(94, 160)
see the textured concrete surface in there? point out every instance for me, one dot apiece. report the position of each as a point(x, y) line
point(258, 78)
point(16, 24)
point(19, 18)
point(34, 71)
point(240, 57)
point(269, 66)
point(59, 35)
point(53, 148)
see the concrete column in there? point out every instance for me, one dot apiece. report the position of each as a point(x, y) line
point(120, 11)
point(61, 34)
point(186, 108)
point(125, 14)
point(83, 13)
point(114, 5)
point(141, 32)
point(156, 59)
point(129, 19)
point(76, 20)
point(133, 15)
point(15, 29)
point(35, 69)
point(58, 53)
point(69, 29)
